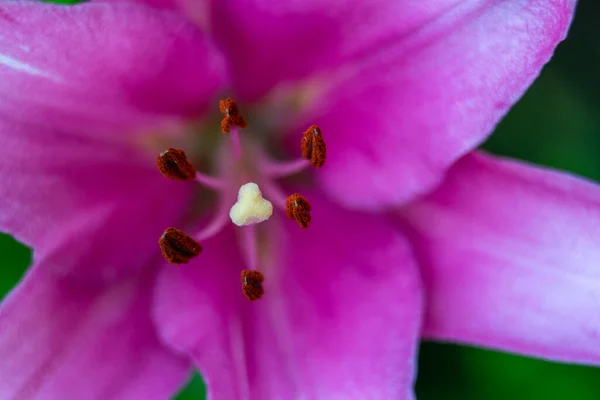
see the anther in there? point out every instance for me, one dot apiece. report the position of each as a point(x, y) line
point(252, 284)
point(313, 146)
point(298, 209)
point(173, 164)
point(177, 247)
point(231, 115)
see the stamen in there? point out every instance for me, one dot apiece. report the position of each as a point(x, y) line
point(313, 146)
point(252, 284)
point(298, 209)
point(231, 115)
point(177, 247)
point(173, 164)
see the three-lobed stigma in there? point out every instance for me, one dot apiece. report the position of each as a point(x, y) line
point(251, 207)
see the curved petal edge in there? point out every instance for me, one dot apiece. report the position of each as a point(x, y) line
point(510, 258)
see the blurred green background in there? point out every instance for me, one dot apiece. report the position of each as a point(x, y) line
point(557, 123)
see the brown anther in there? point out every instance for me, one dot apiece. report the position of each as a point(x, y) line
point(177, 247)
point(173, 164)
point(226, 125)
point(231, 115)
point(252, 284)
point(298, 209)
point(313, 146)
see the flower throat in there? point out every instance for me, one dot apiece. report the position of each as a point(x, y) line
point(251, 208)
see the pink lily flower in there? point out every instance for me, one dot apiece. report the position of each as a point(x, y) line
point(496, 253)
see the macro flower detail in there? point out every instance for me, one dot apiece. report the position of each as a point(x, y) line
point(401, 104)
point(251, 207)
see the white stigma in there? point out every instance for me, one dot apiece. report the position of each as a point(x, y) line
point(251, 207)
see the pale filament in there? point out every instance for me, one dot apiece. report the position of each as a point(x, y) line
point(235, 142)
point(209, 181)
point(248, 243)
point(280, 169)
point(275, 193)
point(218, 222)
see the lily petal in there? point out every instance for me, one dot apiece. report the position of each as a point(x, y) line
point(510, 257)
point(167, 4)
point(102, 68)
point(325, 327)
point(268, 43)
point(195, 10)
point(409, 110)
point(94, 208)
point(70, 341)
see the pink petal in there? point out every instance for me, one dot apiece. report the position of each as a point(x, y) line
point(411, 109)
point(62, 340)
point(510, 259)
point(95, 209)
point(270, 42)
point(196, 10)
point(339, 318)
point(167, 4)
point(99, 67)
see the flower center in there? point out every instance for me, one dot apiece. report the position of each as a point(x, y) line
point(251, 207)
